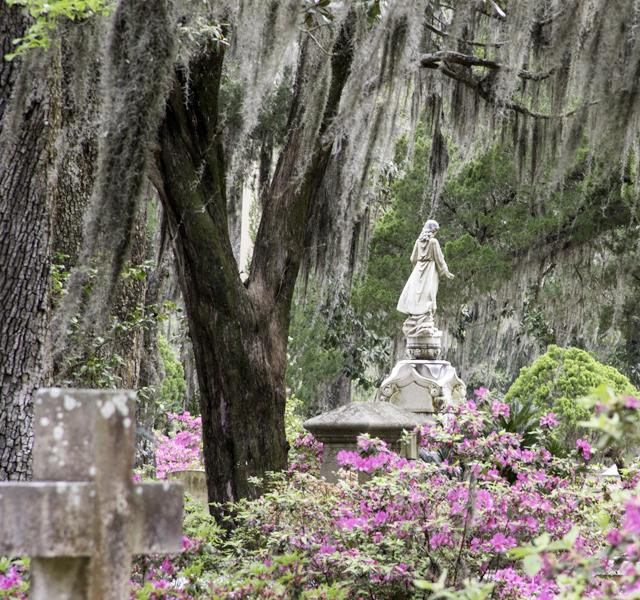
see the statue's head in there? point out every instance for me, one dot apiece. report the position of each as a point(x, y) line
point(431, 226)
point(429, 230)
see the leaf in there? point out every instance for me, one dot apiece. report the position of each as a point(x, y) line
point(542, 541)
point(532, 564)
point(603, 520)
point(571, 536)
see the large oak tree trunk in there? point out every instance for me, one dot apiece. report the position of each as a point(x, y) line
point(239, 332)
point(27, 121)
point(227, 340)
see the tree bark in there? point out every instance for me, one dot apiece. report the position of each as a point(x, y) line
point(80, 54)
point(27, 122)
point(239, 332)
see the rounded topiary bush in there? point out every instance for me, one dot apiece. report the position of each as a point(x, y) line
point(556, 380)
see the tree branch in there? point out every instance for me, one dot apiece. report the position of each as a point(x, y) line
point(550, 18)
point(279, 247)
point(487, 94)
point(189, 175)
point(435, 59)
point(315, 39)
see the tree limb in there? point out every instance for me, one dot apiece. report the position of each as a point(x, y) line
point(279, 246)
point(189, 176)
point(315, 39)
point(486, 93)
point(550, 18)
point(434, 60)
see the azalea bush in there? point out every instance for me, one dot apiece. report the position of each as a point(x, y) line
point(14, 579)
point(480, 516)
point(181, 448)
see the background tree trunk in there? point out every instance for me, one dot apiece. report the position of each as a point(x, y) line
point(28, 120)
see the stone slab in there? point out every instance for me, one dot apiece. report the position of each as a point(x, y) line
point(379, 419)
point(194, 482)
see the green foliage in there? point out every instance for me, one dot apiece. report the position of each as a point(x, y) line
point(92, 362)
point(438, 590)
point(558, 379)
point(200, 31)
point(14, 578)
point(293, 418)
point(534, 322)
point(327, 341)
point(615, 417)
point(316, 13)
point(46, 15)
point(272, 118)
point(59, 274)
point(173, 389)
point(312, 364)
point(523, 420)
point(96, 366)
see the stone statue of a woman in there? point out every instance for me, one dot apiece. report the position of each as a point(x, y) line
point(419, 294)
point(424, 382)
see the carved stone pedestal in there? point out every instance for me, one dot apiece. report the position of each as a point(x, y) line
point(423, 386)
point(424, 339)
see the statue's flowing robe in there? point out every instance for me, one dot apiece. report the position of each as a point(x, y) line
point(419, 294)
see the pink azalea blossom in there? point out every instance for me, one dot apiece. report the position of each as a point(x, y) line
point(614, 537)
point(549, 420)
point(585, 448)
point(182, 449)
point(499, 409)
point(501, 543)
point(481, 393)
point(631, 402)
point(632, 517)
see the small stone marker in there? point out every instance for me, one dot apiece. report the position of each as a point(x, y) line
point(194, 483)
point(339, 429)
point(82, 518)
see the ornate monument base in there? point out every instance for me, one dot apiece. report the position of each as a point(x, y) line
point(423, 386)
point(424, 339)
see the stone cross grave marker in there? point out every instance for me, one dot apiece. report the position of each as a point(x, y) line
point(82, 518)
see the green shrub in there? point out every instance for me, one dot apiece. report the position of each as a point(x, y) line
point(558, 379)
point(173, 389)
